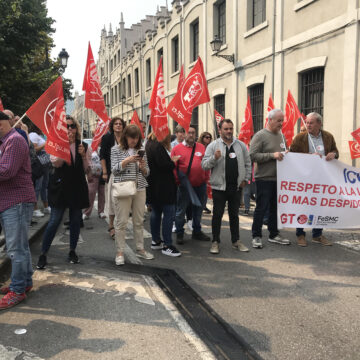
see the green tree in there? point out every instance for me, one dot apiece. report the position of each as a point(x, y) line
point(26, 69)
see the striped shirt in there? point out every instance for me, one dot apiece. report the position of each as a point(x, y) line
point(130, 171)
point(15, 171)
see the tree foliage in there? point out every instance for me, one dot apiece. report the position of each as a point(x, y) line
point(26, 69)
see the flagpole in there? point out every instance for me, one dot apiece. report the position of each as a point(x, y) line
point(82, 128)
point(212, 114)
point(19, 120)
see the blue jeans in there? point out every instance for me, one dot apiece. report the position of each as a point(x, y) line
point(15, 222)
point(167, 222)
point(56, 216)
point(183, 200)
point(315, 232)
point(266, 199)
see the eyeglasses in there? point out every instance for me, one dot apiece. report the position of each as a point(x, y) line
point(207, 137)
point(71, 126)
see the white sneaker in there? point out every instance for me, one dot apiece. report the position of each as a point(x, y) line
point(215, 249)
point(257, 242)
point(279, 240)
point(189, 225)
point(144, 254)
point(47, 210)
point(119, 260)
point(102, 215)
point(174, 228)
point(38, 213)
point(85, 217)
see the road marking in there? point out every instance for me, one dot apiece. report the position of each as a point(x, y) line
point(180, 321)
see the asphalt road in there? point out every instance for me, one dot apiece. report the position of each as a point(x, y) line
point(286, 302)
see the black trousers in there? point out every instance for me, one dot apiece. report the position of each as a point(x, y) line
point(219, 199)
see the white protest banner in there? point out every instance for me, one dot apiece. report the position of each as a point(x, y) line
point(315, 193)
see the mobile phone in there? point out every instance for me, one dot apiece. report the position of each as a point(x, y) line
point(141, 153)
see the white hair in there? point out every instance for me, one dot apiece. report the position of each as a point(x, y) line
point(273, 112)
point(316, 115)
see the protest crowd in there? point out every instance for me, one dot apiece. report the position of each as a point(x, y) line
point(135, 169)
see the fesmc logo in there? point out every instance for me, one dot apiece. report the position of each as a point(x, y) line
point(59, 128)
point(191, 91)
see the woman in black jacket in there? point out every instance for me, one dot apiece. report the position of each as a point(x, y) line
point(161, 193)
point(67, 189)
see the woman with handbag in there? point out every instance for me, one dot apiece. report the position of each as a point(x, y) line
point(129, 169)
point(67, 189)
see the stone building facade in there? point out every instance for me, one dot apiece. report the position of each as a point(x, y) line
point(308, 46)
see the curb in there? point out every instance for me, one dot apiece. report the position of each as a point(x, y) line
point(6, 261)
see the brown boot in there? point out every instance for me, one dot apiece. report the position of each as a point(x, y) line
point(301, 241)
point(322, 240)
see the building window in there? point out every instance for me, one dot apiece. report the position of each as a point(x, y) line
point(219, 104)
point(256, 12)
point(118, 56)
point(220, 20)
point(123, 93)
point(160, 53)
point(114, 61)
point(136, 74)
point(194, 40)
point(119, 91)
point(111, 65)
point(195, 120)
point(175, 53)
point(256, 94)
point(148, 73)
point(112, 97)
point(129, 85)
point(312, 91)
point(116, 95)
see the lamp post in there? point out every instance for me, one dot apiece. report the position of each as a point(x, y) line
point(63, 56)
point(216, 45)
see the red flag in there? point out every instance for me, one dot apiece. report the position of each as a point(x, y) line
point(270, 107)
point(192, 93)
point(218, 117)
point(356, 135)
point(135, 120)
point(292, 114)
point(1, 106)
point(181, 78)
point(48, 114)
point(94, 99)
point(247, 127)
point(158, 117)
point(354, 149)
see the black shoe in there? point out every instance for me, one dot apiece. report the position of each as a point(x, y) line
point(200, 236)
point(41, 262)
point(157, 245)
point(180, 238)
point(207, 211)
point(73, 258)
point(170, 251)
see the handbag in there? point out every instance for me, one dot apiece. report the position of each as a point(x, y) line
point(124, 189)
point(44, 158)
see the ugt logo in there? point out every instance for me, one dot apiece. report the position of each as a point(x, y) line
point(191, 91)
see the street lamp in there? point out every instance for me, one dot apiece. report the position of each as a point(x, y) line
point(63, 56)
point(216, 45)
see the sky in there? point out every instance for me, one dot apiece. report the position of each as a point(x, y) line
point(81, 21)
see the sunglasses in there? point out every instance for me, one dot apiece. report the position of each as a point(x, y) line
point(207, 137)
point(71, 126)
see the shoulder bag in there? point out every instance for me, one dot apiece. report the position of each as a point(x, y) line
point(124, 189)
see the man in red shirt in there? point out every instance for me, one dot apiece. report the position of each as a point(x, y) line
point(191, 153)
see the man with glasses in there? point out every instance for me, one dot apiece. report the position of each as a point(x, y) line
point(17, 198)
point(229, 162)
point(189, 164)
